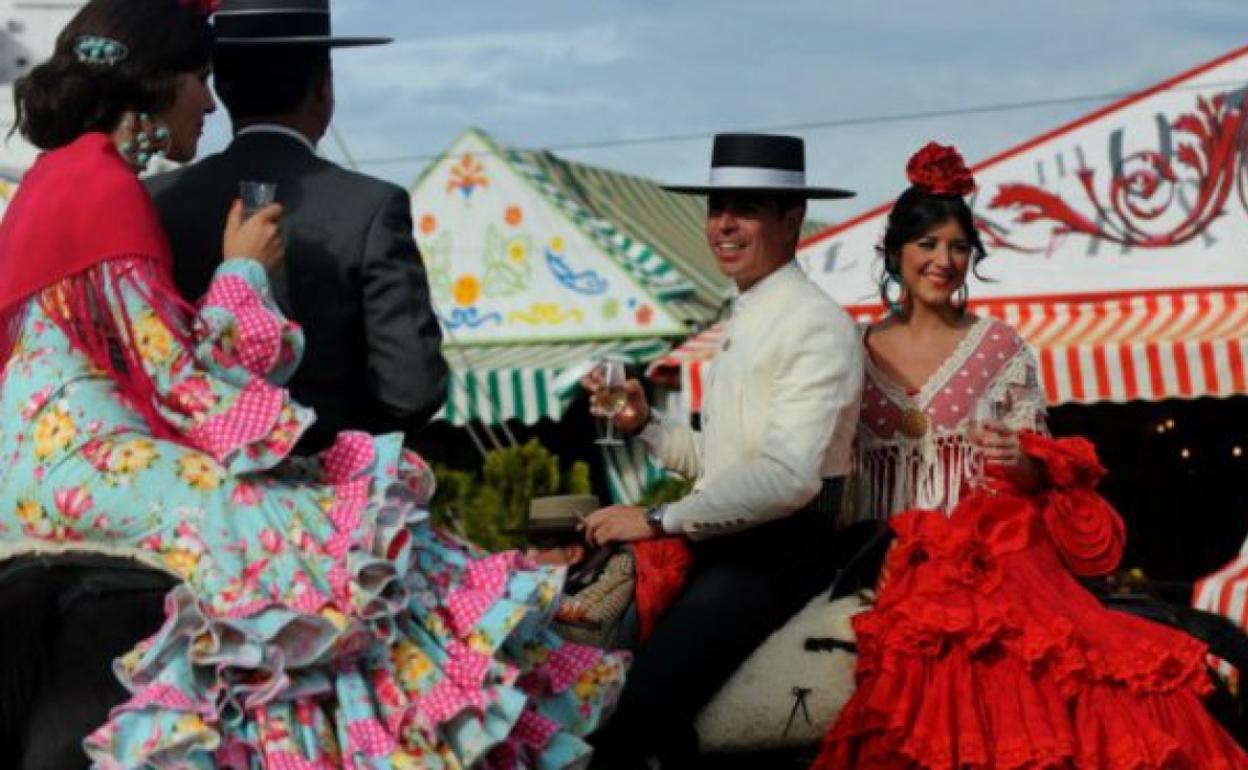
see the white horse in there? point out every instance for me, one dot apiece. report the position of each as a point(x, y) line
point(788, 693)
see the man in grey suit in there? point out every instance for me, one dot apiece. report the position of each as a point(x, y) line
point(353, 277)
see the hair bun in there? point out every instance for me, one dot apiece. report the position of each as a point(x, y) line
point(938, 169)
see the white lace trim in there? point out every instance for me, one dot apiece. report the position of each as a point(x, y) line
point(937, 379)
point(895, 474)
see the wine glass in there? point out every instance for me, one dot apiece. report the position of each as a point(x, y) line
point(256, 195)
point(609, 398)
point(986, 412)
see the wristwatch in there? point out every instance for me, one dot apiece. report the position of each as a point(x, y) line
point(654, 519)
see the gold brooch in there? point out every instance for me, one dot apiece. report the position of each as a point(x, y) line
point(913, 423)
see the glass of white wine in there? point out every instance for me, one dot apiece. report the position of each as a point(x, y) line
point(987, 412)
point(609, 398)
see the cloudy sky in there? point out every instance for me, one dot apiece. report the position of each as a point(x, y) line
point(569, 73)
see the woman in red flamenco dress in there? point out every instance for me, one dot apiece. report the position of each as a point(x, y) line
point(982, 651)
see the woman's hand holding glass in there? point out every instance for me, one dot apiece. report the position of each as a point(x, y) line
point(996, 444)
point(256, 237)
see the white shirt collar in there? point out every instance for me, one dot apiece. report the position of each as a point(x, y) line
point(273, 128)
point(750, 295)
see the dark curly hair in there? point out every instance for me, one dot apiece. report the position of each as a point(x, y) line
point(63, 98)
point(915, 214)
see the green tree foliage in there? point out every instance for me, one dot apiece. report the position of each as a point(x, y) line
point(484, 507)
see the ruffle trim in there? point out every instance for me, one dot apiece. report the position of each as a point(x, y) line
point(274, 679)
point(259, 347)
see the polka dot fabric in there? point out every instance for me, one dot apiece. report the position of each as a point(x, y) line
point(950, 396)
point(320, 621)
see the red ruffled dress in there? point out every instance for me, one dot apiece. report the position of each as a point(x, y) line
point(984, 653)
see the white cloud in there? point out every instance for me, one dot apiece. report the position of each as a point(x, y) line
point(479, 61)
point(555, 71)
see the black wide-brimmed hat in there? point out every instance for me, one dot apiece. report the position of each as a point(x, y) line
point(281, 22)
point(759, 163)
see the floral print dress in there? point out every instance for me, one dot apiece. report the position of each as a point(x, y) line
point(321, 621)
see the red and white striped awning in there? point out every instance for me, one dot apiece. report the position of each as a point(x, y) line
point(1144, 346)
point(1225, 593)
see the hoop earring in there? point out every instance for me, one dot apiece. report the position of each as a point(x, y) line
point(148, 138)
point(895, 306)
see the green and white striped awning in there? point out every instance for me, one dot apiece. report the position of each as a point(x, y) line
point(652, 269)
point(528, 383)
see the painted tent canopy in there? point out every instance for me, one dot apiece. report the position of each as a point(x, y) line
point(1118, 248)
point(513, 258)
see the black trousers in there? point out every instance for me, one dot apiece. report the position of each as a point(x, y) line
point(742, 587)
point(68, 617)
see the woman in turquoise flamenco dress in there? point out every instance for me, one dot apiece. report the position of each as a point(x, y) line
point(321, 621)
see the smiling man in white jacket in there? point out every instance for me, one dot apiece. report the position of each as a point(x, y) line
point(778, 421)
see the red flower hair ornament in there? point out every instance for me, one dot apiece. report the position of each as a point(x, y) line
point(202, 7)
point(939, 170)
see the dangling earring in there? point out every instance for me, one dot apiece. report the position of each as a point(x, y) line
point(895, 306)
point(892, 277)
point(146, 138)
point(961, 297)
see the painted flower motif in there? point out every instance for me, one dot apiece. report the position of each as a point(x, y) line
point(182, 561)
point(428, 223)
point(36, 403)
point(517, 251)
point(466, 176)
point(513, 216)
point(191, 723)
point(411, 664)
point(29, 512)
point(556, 244)
point(590, 683)
point(645, 315)
point(271, 541)
point(467, 290)
point(154, 341)
point(546, 595)
point(284, 433)
point(72, 502)
point(133, 456)
point(193, 396)
point(246, 494)
point(480, 642)
point(611, 309)
point(199, 471)
point(336, 618)
point(54, 431)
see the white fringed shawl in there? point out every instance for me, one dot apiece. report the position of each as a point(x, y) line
point(895, 472)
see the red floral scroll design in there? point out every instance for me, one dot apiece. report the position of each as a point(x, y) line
point(1138, 209)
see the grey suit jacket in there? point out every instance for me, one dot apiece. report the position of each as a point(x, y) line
point(353, 278)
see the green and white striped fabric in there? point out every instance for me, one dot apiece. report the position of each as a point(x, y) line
point(640, 211)
point(630, 471)
point(655, 271)
point(528, 383)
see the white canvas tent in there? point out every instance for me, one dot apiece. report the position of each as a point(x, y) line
point(1119, 248)
point(538, 270)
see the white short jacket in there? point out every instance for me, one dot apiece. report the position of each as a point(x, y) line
point(779, 412)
